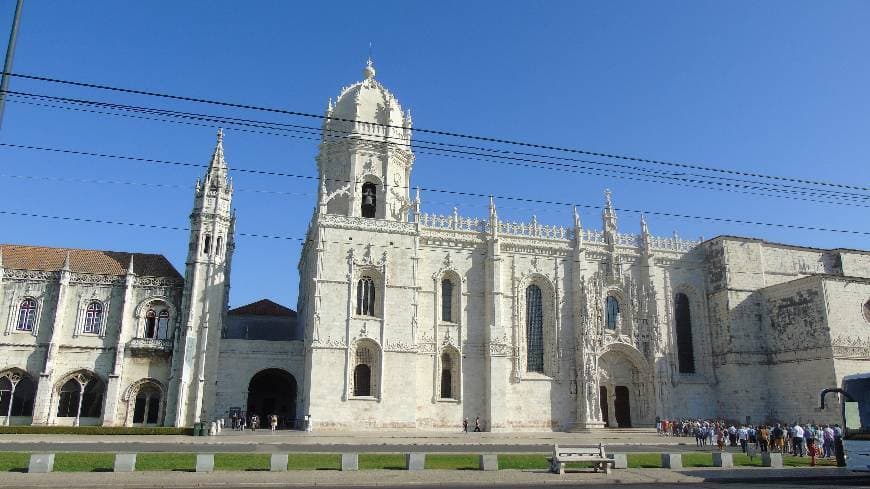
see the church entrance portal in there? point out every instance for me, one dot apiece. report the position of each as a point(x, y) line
point(273, 391)
point(624, 387)
point(622, 406)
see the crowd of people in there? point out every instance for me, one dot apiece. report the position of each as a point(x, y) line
point(807, 440)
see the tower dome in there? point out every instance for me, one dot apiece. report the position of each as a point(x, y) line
point(367, 108)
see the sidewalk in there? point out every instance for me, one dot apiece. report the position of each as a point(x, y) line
point(610, 437)
point(92, 480)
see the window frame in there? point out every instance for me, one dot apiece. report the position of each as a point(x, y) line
point(31, 316)
point(535, 306)
point(92, 321)
point(372, 358)
point(617, 315)
point(683, 334)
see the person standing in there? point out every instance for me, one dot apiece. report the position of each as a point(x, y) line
point(763, 436)
point(273, 422)
point(798, 440)
point(477, 424)
point(465, 425)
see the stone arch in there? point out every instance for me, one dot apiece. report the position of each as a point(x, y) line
point(155, 303)
point(457, 282)
point(549, 327)
point(273, 390)
point(625, 380)
point(698, 313)
point(365, 180)
point(88, 402)
point(18, 399)
point(376, 274)
point(130, 397)
point(449, 371)
point(365, 365)
point(624, 317)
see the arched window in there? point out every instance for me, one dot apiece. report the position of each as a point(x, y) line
point(447, 300)
point(151, 324)
point(147, 406)
point(68, 403)
point(446, 376)
point(369, 200)
point(611, 306)
point(365, 297)
point(16, 399)
point(162, 325)
point(206, 246)
point(26, 315)
point(362, 373)
point(93, 318)
point(220, 245)
point(534, 329)
point(685, 349)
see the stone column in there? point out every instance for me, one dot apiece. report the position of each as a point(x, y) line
point(497, 347)
point(611, 406)
point(114, 389)
point(44, 389)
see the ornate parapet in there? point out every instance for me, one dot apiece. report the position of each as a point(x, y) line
point(149, 347)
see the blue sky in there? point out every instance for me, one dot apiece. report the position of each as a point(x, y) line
point(769, 87)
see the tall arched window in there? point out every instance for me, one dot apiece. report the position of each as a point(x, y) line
point(365, 297)
point(151, 324)
point(26, 315)
point(446, 376)
point(93, 318)
point(369, 200)
point(219, 247)
point(685, 348)
point(362, 372)
point(206, 246)
point(68, 403)
point(611, 306)
point(534, 329)
point(446, 300)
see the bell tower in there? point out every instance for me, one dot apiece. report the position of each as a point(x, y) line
point(206, 294)
point(365, 158)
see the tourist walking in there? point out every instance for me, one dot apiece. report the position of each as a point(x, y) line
point(465, 425)
point(477, 424)
point(273, 422)
point(797, 440)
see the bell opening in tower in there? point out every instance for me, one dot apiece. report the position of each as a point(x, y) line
point(369, 200)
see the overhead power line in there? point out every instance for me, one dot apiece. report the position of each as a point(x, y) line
point(433, 131)
point(844, 198)
point(456, 192)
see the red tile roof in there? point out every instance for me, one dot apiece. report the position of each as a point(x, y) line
point(99, 262)
point(263, 307)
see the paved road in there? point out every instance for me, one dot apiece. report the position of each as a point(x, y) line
point(137, 447)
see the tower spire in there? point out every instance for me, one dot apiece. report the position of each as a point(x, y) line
point(217, 167)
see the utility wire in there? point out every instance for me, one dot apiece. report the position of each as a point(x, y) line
point(522, 162)
point(432, 131)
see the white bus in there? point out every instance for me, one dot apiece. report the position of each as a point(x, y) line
point(855, 396)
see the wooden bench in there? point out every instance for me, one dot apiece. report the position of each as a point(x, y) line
point(594, 454)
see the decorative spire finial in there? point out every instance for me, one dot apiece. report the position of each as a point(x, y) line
point(220, 135)
point(369, 70)
point(66, 262)
point(130, 266)
point(577, 223)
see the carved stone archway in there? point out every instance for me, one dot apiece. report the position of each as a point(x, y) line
point(625, 376)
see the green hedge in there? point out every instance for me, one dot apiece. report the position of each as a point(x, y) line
point(92, 430)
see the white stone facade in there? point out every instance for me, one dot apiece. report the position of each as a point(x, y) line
point(524, 340)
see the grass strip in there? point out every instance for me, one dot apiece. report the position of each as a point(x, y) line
point(644, 460)
point(84, 462)
point(459, 461)
point(166, 461)
point(242, 461)
point(93, 430)
point(14, 461)
point(314, 461)
point(382, 461)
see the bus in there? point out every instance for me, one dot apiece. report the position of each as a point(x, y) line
point(855, 397)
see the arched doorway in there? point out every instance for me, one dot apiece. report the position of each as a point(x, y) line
point(273, 391)
point(624, 382)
